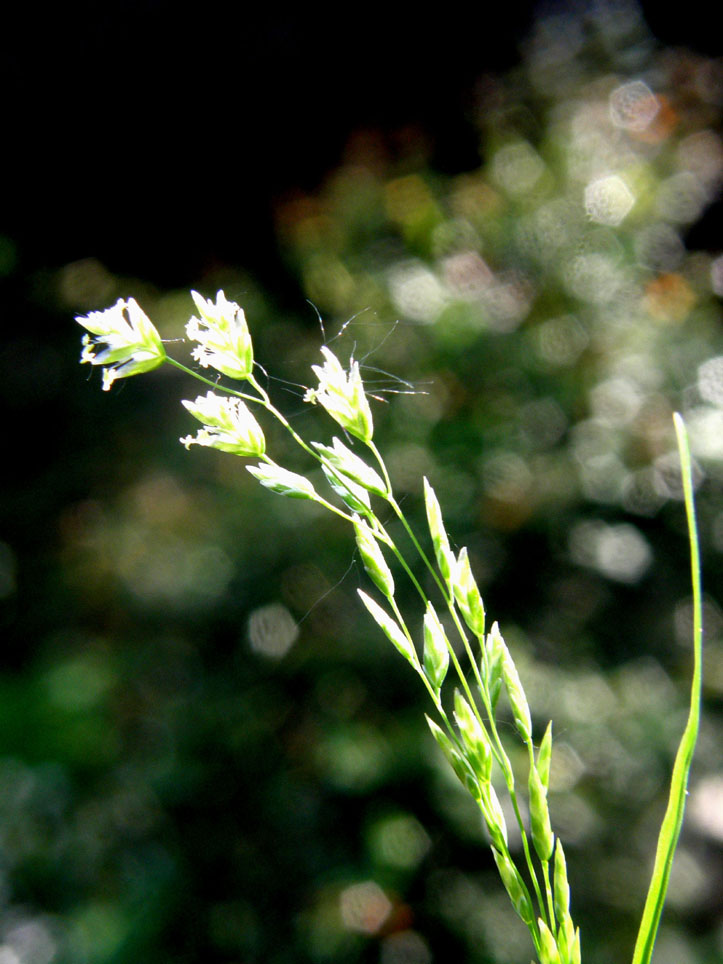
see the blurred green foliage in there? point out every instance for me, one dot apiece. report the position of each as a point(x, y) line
point(206, 750)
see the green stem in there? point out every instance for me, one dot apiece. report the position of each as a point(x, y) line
point(271, 408)
point(453, 656)
point(673, 818)
point(400, 619)
point(526, 848)
point(212, 384)
point(548, 894)
point(382, 466)
point(402, 518)
point(545, 863)
point(449, 601)
point(430, 689)
point(442, 588)
point(447, 598)
point(410, 532)
point(496, 742)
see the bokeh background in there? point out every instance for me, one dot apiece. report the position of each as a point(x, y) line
point(512, 220)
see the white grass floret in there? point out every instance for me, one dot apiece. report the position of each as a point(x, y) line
point(224, 342)
point(342, 394)
point(228, 425)
point(132, 343)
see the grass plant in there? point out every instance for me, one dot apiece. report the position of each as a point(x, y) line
point(463, 663)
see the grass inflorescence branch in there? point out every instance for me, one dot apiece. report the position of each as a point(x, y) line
point(126, 343)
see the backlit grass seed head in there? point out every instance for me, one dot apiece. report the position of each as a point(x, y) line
point(544, 757)
point(458, 763)
point(283, 482)
point(492, 663)
point(440, 541)
point(494, 817)
point(436, 649)
point(391, 629)
point(341, 459)
point(342, 394)
point(467, 595)
point(561, 888)
point(354, 496)
point(549, 953)
point(542, 836)
point(228, 425)
point(374, 562)
point(473, 736)
point(224, 342)
point(128, 341)
point(574, 954)
point(515, 692)
point(514, 886)
point(566, 940)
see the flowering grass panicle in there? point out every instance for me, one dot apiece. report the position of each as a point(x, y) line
point(536, 881)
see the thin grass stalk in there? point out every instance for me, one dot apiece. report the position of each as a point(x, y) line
point(673, 818)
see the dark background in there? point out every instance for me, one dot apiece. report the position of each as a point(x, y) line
point(156, 138)
point(166, 793)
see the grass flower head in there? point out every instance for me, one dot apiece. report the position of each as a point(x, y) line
point(224, 342)
point(128, 341)
point(342, 395)
point(228, 425)
point(283, 482)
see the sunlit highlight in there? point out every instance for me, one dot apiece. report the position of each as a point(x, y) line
point(633, 106)
point(608, 200)
point(364, 907)
point(272, 630)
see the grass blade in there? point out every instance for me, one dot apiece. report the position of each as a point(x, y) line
point(673, 819)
